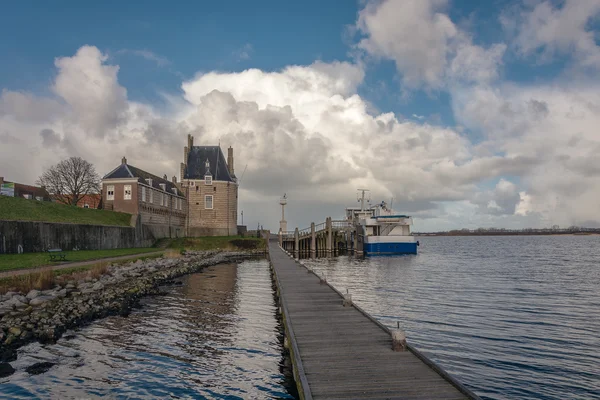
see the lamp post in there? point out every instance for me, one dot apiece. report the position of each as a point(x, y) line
point(283, 222)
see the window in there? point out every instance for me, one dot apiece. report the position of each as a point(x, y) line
point(127, 192)
point(151, 196)
point(191, 183)
point(86, 205)
point(110, 192)
point(160, 198)
point(163, 186)
point(143, 194)
point(208, 202)
point(208, 180)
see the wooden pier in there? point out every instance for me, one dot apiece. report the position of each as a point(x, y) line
point(325, 239)
point(340, 352)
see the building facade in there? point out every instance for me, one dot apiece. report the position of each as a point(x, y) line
point(14, 189)
point(211, 189)
point(159, 202)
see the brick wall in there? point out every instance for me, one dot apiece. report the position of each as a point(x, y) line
point(221, 220)
point(151, 212)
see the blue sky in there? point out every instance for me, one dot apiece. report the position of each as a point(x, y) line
point(193, 37)
point(489, 100)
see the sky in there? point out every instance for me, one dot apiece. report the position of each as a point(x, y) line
point(463, 113)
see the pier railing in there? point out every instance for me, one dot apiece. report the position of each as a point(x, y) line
point(329, 236)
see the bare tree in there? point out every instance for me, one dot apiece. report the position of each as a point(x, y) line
point(70, 180)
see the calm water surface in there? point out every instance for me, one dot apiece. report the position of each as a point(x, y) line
point(511, 317)
point(215, 336)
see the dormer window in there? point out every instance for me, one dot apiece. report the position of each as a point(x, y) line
point(174, 190)
point(191, 183)
point(163, 186)
point(208, 180)
point(149, 182)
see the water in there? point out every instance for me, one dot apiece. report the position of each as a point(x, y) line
point(216, 336)
point(511, 317)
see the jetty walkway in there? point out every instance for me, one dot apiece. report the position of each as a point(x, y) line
point(341, 352)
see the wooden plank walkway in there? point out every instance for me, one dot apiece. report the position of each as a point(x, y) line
point(341, 353)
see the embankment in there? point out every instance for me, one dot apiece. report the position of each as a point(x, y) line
point(28, 236)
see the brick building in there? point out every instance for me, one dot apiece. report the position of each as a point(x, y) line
point(211, 189)
point(158, 201)
point(14, 189)
point(91, 200)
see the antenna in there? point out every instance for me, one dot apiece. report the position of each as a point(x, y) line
point(362, 198)
point(242, 177)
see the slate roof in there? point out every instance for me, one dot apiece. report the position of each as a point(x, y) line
point(196, 163)
point(129, 171)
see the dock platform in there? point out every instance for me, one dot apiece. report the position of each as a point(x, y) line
point(343, 353)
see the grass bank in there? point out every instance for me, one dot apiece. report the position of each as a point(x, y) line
point(17, 209)
point(231, 243)
point(31, 260)
point(47, 278)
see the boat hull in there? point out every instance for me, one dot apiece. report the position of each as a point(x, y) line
point(389, 248)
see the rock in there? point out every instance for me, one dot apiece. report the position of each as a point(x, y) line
point(10, 339)
point(6, 369)
point(14, 302)
point(33, 294)
point(39, 368)
point(62, 293)
point(14, 330)
point(26, 335)
point(20, 298)
point(5, 308)
point(10, 294)
point(98, 286)
point(41, 300)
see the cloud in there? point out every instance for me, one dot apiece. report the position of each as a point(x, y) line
point(546, 29)
point(306, 131)
point(148, 55)
point(243, 53)
point(426, 46)
point(97, 103)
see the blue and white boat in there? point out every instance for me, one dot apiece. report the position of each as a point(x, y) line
point(387, 232)
point(381, 231)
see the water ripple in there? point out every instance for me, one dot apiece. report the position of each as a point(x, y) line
point(511, 317)
point(215, 336)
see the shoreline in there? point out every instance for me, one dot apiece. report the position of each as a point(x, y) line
point(45, 315)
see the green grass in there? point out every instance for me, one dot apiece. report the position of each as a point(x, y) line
point(72, 270)
point(30, 260)
point(17, 209)
point(218, 243)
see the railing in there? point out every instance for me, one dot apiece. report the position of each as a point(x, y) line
point(342, 224)
point(335, 225)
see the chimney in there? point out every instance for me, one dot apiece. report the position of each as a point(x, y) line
point(181, 171)
point(230, 160)
point(165, 177)
point(123, 161)
point(174, 179)
point(190, 141)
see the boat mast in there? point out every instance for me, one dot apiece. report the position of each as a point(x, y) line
point(362, 199)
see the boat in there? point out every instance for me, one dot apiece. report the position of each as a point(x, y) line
point(381, 230)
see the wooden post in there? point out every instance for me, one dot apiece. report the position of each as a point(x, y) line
point(348, 244)
point(347, 299)
point(296, 244)
point(329, 239)
point(398, 340)
point(313, 240)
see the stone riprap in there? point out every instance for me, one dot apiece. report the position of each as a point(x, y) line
point(45, 315)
